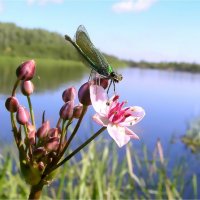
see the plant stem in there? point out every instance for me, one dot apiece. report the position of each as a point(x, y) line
point(31, 110)
point(74, 132)
point(17, 135)
point(79, 148)
point(15, 87)
point(36, 191)
point(51, 168)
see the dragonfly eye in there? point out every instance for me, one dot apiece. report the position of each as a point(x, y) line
point(116, 77)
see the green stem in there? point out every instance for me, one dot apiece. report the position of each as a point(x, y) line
point(36, 191)
point(74, 132)
point(78, 149)
point(15, 87)
point(14, 129)
point(18, 137)
point(62, 136)
point(31, 110)
point(29, 145)
point(48, 170)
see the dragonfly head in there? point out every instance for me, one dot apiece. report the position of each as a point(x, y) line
point(116, 77)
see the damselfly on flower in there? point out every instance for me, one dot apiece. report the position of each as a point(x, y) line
point(92, 56)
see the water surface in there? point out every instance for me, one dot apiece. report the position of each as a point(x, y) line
point(171, 100)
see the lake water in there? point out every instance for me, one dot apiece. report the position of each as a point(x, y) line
point(171, 100)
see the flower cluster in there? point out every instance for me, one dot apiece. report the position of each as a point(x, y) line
point(41, 149)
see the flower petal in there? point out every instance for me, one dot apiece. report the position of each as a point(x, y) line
point(137, 113)
point(100, 119)
point(131, 134)
point(118, 134)
point(99, 98)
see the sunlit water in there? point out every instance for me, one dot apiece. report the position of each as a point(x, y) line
point(171, 100)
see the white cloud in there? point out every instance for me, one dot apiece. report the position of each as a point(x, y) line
point(1, 6)
point(132, 5)
point(43, 2)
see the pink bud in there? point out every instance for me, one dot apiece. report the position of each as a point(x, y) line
point(77, 111)
point(100, 81)
point(84, 94)
point(12, 104)
point(53, 132)
point(22, 115)
point(27, 88)
point(30, 127)
point(39, 152)
point(31, 134)
point(26, 70)
point(43, 130)
point(69, 94)
point(31, 137)
point(66, 112)
point(52, 144)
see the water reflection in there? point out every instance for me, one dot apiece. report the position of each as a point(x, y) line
point(47, 78)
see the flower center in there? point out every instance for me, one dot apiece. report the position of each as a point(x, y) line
point(118, 114)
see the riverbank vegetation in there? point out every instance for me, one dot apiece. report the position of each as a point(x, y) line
point(100, 173)
point(38, 43)
point(176, 66)
point(17, 43)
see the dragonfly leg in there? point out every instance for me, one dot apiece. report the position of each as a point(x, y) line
point(111, 81)
point(90, 77)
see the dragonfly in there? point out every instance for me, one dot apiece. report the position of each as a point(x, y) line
point(92, 56)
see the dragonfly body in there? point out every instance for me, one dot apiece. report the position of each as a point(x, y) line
point(92, 55)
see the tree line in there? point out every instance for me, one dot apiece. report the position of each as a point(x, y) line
point(36, 43)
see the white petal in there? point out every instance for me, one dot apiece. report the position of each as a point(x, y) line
point(99, 99)
point(138, 111)
point(100, 120)
point(137, 115)
point(118, 134)
point(131, 134)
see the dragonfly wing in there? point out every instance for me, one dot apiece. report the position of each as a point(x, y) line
point(82, 39)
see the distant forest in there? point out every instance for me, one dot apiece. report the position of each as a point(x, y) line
point(38, 43)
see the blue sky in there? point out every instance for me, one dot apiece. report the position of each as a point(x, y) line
point(151, 30)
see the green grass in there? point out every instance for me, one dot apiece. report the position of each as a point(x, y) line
point(100, 173)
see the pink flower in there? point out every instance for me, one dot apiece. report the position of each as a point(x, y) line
point(114, 116)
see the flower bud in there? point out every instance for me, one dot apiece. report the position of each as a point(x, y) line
point(52, 144)
point(27, 88)
point(66, 112)
point(69, 94)
point(77, 111)
point(39, 152)
point(26, 70)
point(53, 132)
point(84, 94)
point(100, 81)
point(30, 127)
point(31, 137)
point(31, 134)
point(22, 115)
point(43, 130)
point(12, 104)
